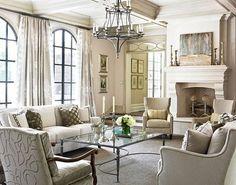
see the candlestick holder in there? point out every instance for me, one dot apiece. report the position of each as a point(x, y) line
point(176, 58)
point(103, 138)
point(113, 136)
point(171, 55)
point(215, 59)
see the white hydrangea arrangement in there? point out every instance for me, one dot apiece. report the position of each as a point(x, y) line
point(126, 120)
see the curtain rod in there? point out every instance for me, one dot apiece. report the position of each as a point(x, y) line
point(50, 19)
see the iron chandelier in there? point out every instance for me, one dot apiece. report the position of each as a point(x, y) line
point(118, 27)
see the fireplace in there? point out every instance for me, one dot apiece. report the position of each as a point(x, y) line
point(200, 82)
point(194, 99)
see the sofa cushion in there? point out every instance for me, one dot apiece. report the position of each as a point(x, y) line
point(18, 119)
point(47, 114)
point(217, 140)
point(84, 128)
point(157, 114)
point(195, 141)
point(59, 132)
point(34, 120)
point(70, 116)
point(68, 173)
point(158, 123)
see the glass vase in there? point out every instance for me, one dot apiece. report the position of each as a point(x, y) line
point(125, 129)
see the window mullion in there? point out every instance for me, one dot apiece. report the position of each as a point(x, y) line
point(6, 87)
point(63, 67)
point(71, 71)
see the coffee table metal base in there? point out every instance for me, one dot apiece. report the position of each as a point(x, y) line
point(118, 156)
point(117, 159)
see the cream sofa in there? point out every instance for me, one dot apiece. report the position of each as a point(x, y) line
point(52, 123)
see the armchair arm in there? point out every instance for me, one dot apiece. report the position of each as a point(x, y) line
point(66, 159)
point(170, 117)
point(92, 161)
point(186, 167)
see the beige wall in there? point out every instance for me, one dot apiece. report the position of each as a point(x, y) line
point(115, 75)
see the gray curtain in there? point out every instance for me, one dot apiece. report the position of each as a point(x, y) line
point(86, 95)
point(33, 62)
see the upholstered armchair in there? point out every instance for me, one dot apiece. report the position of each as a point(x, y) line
point(157, 116)
point(220, 106)
point(181, 167)
point(27, 158)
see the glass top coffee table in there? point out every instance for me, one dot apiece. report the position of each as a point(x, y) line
point(116, 144)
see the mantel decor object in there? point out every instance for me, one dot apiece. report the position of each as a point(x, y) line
point(216, 62)
point(118, 27)
point(176, 58)
point(171, 55)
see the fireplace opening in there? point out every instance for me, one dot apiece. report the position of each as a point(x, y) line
point(194, 99)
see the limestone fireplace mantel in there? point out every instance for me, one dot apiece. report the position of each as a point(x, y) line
point(212, 76)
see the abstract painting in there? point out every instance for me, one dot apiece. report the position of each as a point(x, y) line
point(196, 48)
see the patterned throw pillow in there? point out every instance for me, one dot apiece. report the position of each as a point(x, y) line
point(18, 119)
point(34, 120)
point(70, 116)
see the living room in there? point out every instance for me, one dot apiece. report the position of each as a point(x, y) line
point(59, 52)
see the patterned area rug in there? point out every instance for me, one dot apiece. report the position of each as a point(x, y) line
point(134, 169)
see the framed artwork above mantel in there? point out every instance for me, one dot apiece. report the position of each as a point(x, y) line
point(196, 49)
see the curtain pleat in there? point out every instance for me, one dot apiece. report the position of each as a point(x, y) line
point(86, 95)
point(33, 62)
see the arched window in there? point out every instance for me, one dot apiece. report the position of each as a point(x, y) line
point(8, 55)
point(64, 53)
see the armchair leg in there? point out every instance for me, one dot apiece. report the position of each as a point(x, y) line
point(92, 163)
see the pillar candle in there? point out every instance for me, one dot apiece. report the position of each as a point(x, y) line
point(103, 104)
point(113, 103)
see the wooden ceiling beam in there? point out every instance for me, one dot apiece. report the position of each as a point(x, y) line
point(230, 5)
point(145, 8)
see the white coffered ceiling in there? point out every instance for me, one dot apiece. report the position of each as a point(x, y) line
point(85, 12)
